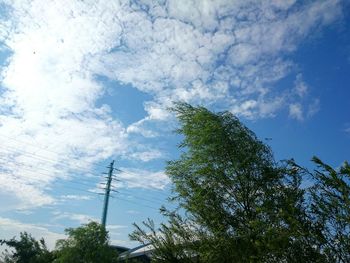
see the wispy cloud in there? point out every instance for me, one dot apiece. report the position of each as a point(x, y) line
point(347, 128)
point(76, 197)
point(80, 218)
point(139, 178)
point(301, 106)
point(146, 155)
point(114, 227)
point(10, 228)
point(296, 111)
point(300, 87)
point(133, 212)
point(224, 53)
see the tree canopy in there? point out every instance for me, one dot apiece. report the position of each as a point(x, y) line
point(330, 208)
point(86, 244)
point(26, 250)
point(236, 203)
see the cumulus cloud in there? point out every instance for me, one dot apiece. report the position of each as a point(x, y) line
point(205, 52)
point(296, 111)
point(301, 106)
point(139, 178)
point(49, 97)
point(300, 87)
point(221, 52)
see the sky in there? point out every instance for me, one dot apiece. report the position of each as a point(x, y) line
point(83, 83)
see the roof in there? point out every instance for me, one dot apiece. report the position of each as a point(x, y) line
point(142, 250)
point(120, 249)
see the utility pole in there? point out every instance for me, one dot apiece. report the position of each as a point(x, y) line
point(108, 190)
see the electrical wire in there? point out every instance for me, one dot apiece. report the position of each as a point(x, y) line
point(51, 172)
point(161, 192)
point(44, 158)
point(135, 203)
point(45, 149)
point(27, 154)
point(84, 190)
point(31, 169)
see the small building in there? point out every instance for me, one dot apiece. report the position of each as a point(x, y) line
point(140, 254)
point(119, 249)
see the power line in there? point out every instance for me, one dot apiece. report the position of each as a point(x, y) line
point(24, 166)
point(153, 189)
point(51, 172)
point(44, 159)
point(55, 170)
point(65, 186)
point(135, 203)
point(149, 198)
point(125, 192)
point(41, 158)
point(67, 165)
point(82, 190)
point(44, 149)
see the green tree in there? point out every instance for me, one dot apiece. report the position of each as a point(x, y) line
point(86, 244)
point(26, 250)
point(236, 204)
point(330, 208)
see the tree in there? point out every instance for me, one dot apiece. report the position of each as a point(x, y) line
point(26, 250)
point(85, 244)
point(330, 208)
point(236, 204)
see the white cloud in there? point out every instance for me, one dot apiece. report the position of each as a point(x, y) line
point(301, 112)
point(204, 44)
point(75, 197)
point(49, 95)
point(296, 111)
point(80, 218)
point(313, 108)
point(114, 227)
point(138, 178)
point(347, 128)
point(139, 127)
point(208, 52)
point(10, 228)
point(300, 87)
point(146, 156)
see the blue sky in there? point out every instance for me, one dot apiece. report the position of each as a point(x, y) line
point(86, 82)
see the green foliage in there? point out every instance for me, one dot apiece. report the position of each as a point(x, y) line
point(236, 204)
point(331, 209)
point(26, 250)
point(85, 244)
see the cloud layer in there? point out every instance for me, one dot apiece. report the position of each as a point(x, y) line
point(223, 53)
